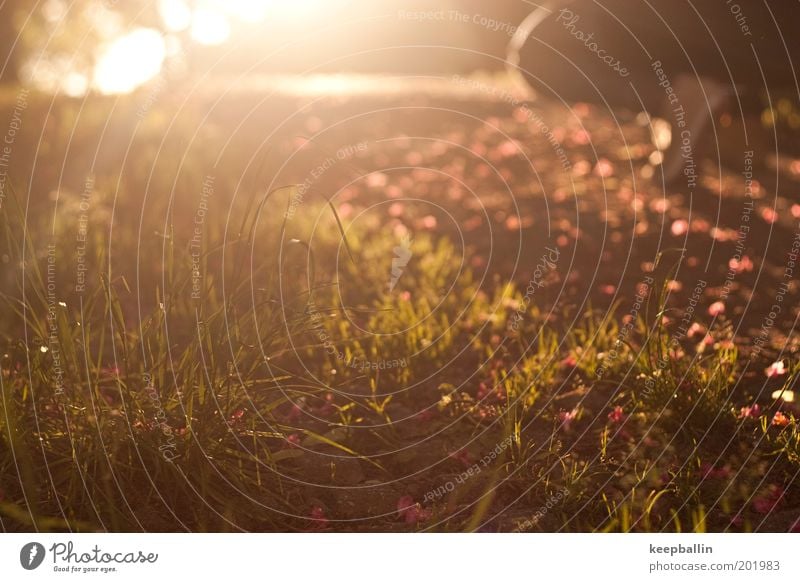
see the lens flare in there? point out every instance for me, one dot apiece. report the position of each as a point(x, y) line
point(130, 61)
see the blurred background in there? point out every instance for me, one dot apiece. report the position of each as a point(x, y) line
point(114, 46)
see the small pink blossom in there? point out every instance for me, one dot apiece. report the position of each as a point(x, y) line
point(745, 264)
point(695, 329)
point(425, 415)
point(464, 457)
point(566, 417)
point(710, 472)
point(617, 415)
point(429, 222)
point(775, 369)
point(509, 149)
point(569, 361)
point(410, 511)
point(769, 501)
point(513, 223)
point(396, 209)
point(318, 517)
point(717, 308)
point(674, 285)
point(769, 215)
point(679, 227)
point(581, 137)
point(377, 180)
point(780, 419)
point(604, 168)
point(295, 412)
point(753, 411)
point(327, 408)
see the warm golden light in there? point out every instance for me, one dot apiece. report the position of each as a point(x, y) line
point(176, 14)
point(133, 59)
point(210, 26)
point(129, 61)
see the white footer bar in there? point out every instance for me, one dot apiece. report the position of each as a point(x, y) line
point(399, 557)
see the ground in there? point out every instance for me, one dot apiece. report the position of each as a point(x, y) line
point(443, 306)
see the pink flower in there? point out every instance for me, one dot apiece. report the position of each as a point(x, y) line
point(405, 503)
point(604, 168)
point(294, 413)
point(769, 215)
point(740, 266)
point(318, 517)
point(425, 415)
point(709, 472)
point(569, 361)
point(753, 411)
point(293, 440)
point(566, 418)
point(775, 369)
point(780, 419)
point(429, 222)
point(464, 457)
point(397, 209)
point(508, 149)
point(317, 512)
point(617, 415)
point(113, 371)
point(377, 180)
point(674, 285)
point(327, 407)
point(769, 501)
point(716, 308)
point(695, 329)
point(581, 137)
point(679, 227)
point(410, 511)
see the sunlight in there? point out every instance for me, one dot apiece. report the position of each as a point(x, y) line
point(211, 19)
point(129, 61)
point(133, 59)
point(176, 14)
point(210, 26)
point(259, 10)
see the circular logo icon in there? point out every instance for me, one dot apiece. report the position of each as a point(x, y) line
point(31, 555)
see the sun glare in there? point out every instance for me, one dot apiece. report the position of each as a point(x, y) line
point(211, 20)
point(176, 14)
point(129, 61)
point(138, 56)
point(210, 26)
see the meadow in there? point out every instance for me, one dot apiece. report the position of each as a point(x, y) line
point(228, 312)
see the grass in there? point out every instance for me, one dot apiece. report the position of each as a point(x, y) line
point(301, 393)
